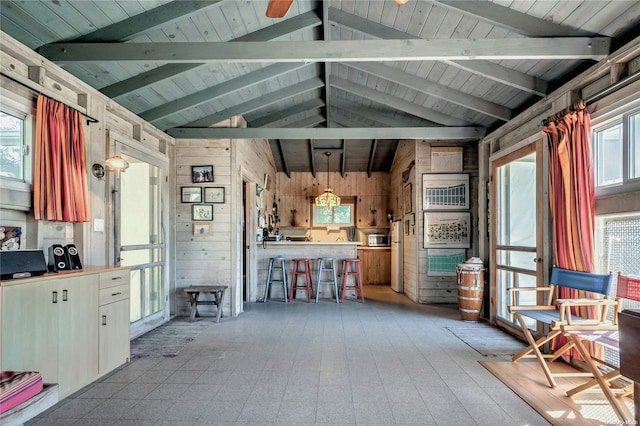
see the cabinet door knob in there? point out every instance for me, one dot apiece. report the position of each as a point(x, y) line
point(54, 297)
point(65, 296)
point(104, 320)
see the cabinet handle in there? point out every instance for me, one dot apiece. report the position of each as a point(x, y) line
point(65, 297)
point(54, 297)
point(104, 320)
point(116, 278)
point(115, 294)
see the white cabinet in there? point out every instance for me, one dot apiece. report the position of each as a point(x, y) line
point(113, 347)
point(52, 324)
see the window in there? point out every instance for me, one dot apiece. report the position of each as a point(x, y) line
point(13, 146)
point(342, 215)
point(616, 148)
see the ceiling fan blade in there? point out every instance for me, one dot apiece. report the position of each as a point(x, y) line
point(278, 8)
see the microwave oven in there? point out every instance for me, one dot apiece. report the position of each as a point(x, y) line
point(378, 240)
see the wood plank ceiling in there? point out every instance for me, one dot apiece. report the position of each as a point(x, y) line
point(352, 77)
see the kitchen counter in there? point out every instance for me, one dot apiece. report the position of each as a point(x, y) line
point(374, 248)
point(313, 250)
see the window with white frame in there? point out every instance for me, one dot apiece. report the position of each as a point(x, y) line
point(342, 215)
point(13, 145)
point(616, 150)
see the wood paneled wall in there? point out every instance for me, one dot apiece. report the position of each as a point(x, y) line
point(418, 286)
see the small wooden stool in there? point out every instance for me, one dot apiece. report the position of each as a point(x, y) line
point(308, 285)
point(346, 263)
point(193, 293)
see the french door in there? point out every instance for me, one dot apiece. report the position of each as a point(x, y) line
point(139, 237)
point(517, 238)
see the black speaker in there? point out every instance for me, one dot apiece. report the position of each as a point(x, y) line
point(22, 264)
point(73, 257)
point(58, 260)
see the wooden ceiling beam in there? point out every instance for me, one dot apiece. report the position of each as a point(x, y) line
point(441, 133)
point(288, 115)
point(343, 158)
point(230, 86)
point(372, 155)
point(146, 21)
point(312, 158)
point(272, 32)
point(397, 103)
point(326, 35)
point(259, 102)
point(306, 122)
point(378, 116)
point(285, 166)
point(439, 91)
point(555, 48)
point(509, 19)
point(487, 69)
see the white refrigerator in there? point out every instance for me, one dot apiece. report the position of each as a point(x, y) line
point(396, 256)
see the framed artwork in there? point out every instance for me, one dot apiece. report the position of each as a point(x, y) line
point(191, 194)
point(202, 212)
point(443, 262)
point(201, 174)
point(446, 159)
point(214, 195)
point(448, 191)
point(408, 198)
point(200, 229)
point(447, 230)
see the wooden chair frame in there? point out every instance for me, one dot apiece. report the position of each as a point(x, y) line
point(554, 315)
point(628, 288)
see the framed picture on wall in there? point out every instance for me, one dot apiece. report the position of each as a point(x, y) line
point(200, 229)
point(408, 198)
point(214, 195)
point(447, 230)
point(191, 194)
point(443, 262)
point(202, 212)
point(446, 191)
point(201, 174)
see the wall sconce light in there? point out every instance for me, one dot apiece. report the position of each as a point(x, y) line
point(114, 164)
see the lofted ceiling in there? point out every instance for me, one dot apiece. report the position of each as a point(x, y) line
point(347, 77)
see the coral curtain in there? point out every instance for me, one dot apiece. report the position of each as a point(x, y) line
point(572, 199)
point(60, 173)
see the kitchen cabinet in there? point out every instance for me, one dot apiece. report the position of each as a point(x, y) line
point(376, 265)
point(371, 211)
point(51, 324)
point(114, 311)
point(294, 211)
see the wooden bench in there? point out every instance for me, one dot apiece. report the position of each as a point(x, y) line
point(193, 293)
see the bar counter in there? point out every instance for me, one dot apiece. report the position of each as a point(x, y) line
point(313, 250)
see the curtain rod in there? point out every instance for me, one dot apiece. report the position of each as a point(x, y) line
point(582, 104)
point(89, 118)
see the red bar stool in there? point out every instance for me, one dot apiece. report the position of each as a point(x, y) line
point(351, 267)
point(306, 272)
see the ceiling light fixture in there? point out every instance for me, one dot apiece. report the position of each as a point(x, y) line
point(328, 198)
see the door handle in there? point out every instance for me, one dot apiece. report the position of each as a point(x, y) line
point(537, 260)
point(104, 320)
point(65, 297)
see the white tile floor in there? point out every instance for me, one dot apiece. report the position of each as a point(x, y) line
point(385, 362)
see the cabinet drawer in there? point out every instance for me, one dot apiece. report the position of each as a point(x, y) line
point(114, 278)
point(113, 294)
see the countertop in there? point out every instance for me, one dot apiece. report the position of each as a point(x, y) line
point(285, 242)
point(374, 248)
point(53, 275)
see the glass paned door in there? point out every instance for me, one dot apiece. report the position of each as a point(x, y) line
point(517, 226)
point(139, 240)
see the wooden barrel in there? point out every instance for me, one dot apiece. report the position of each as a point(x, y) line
point(470, 291)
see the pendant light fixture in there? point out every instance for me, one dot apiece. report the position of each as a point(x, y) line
point(328, 198)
